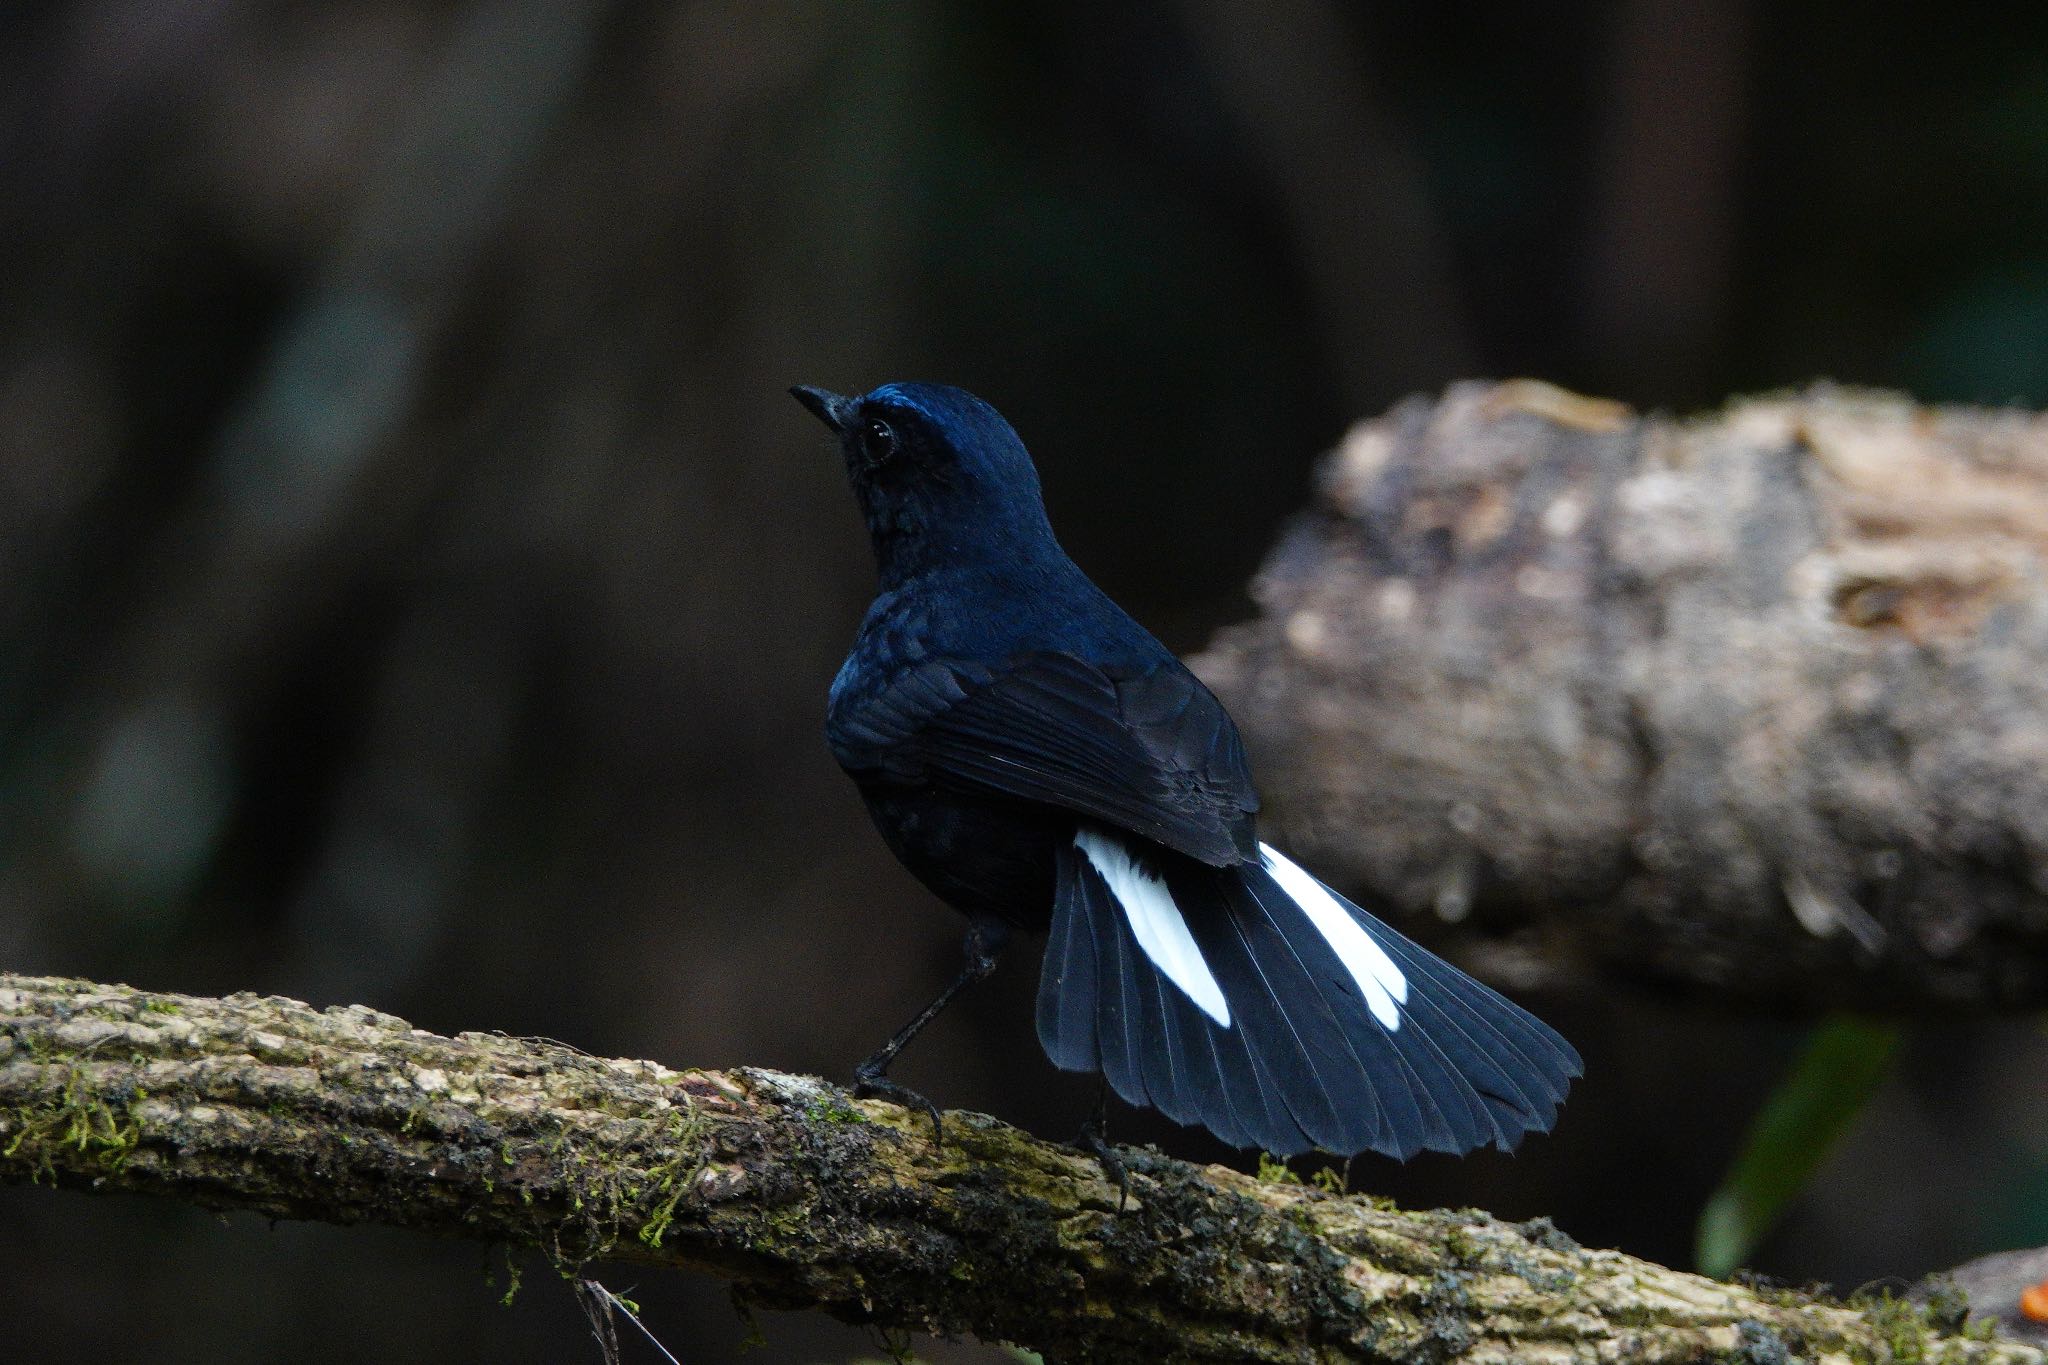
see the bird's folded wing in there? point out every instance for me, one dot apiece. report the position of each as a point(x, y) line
point(1153, 753)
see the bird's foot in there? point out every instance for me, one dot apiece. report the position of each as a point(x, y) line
point(870, 1084)
point(1095, 1142)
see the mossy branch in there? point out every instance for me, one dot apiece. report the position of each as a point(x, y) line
point(803, 1197)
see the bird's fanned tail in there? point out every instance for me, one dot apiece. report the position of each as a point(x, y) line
point(1259, 1004)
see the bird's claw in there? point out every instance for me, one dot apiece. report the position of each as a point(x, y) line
point(1092, 1141)
point(873, 1085)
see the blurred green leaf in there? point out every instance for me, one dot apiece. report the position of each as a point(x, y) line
point(1845, 1059)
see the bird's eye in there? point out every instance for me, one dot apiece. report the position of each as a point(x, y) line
point(877, 440)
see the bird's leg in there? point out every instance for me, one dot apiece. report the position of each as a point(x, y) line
point(985, 940)
point(1094, 1140)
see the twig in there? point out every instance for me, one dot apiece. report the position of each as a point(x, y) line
point(598, 1305)
point(596, 1302)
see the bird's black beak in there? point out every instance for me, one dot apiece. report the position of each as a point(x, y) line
point(831, 409)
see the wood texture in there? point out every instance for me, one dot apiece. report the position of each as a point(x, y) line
point(1756, 702)
point(804, 1198)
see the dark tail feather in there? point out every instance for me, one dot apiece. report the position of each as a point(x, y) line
point(1259, 1004)
point(1068, 985)
point(1095, 993)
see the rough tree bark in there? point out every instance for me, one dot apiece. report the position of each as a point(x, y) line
point(804, 1198)
point(1756, 701)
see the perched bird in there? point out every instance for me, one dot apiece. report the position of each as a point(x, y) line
point(1042, 763)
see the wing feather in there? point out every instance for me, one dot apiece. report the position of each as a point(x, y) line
point(1153, 752)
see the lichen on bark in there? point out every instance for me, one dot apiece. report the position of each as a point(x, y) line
point(804, 1197)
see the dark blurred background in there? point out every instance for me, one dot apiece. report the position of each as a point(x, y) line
point(416, 588)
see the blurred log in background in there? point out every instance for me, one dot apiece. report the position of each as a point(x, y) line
point(1756, 703)
point(415, 588)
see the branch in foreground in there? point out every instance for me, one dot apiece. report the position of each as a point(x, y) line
point(804, 1198)
point(1756, 701)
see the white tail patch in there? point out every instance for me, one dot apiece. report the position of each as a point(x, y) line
point(1156, 922)
point(1385, 988)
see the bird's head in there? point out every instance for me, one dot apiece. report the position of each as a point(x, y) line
point(939, 474)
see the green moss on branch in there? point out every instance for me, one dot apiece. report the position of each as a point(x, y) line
point(804, 1197)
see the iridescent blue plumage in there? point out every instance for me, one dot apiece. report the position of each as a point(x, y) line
point(1041, 762)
